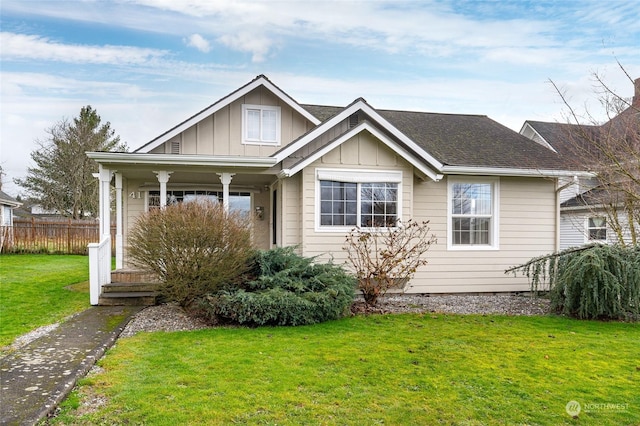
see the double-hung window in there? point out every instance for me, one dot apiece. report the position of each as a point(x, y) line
point(473, 219)
point(597, 229)
point(261, 124)
point(364, 199)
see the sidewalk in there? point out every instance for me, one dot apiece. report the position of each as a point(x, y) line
point(38, 376)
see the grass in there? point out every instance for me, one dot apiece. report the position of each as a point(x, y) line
point(40, 289)
point(397, 369)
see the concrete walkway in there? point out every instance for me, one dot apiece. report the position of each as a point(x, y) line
point(38, 376)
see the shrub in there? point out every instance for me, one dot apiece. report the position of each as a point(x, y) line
point(193, 248)
point(286, 289)
point(385, 258)
point(598, 281)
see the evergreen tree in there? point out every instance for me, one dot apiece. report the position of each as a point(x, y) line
point(62, 179)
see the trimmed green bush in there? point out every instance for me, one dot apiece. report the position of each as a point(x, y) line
point(283, 289)
point(594, 282)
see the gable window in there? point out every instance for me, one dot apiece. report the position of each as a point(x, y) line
point(261, 124)
point(472, 214)
point(364, 199)
point(597, 228)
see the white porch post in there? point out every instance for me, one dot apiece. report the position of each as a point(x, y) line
point(105, 204)
point(119, 242)
point(225, 179)
point(163, 178)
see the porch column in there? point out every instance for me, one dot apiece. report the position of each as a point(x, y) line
point(225, 179)
point(105, 204)
point(163, 178)
point(119, 242)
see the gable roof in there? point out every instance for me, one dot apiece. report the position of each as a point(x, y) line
point(260, 80)
point(460, 141)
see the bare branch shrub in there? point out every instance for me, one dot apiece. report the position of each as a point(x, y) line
point(193, 248)
point(610, 150)
point(386, 258)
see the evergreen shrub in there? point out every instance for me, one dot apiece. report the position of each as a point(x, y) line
point(283, 288)
point(593, 282)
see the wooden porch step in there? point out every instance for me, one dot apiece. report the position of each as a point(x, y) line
point(131, 276)
point(136, 298)
point(129, 287)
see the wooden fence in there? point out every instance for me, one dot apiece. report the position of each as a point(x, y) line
point(51, 236)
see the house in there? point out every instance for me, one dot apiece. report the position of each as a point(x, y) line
point(311, 173)
point(590, 212)
point(7, 205)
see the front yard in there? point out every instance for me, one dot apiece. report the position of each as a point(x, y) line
point(40, 289)
point(394, 369)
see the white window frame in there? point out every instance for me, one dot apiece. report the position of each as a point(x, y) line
point(246, 108)
point(358, 177)
point(494, 234)
point(587, 228)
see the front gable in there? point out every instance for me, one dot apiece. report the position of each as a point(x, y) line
point(228, 127)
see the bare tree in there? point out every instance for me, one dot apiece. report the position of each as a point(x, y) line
point(611, 150)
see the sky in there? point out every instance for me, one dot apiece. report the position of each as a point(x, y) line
point(147, 65)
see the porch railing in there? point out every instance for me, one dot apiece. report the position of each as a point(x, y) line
point(99, 268)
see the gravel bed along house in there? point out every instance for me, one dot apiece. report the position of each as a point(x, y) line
point(170, 317)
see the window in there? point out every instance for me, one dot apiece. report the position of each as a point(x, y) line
point(238, 201)
point(364, 199)
point(261, 124)
point(472, 214)
point(597, 228)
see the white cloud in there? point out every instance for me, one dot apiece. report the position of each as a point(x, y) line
point(20, 46)
point(199, 42)
point(259, 46)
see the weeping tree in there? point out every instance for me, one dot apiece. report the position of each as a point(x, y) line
point(62, 178)
point(591, 282)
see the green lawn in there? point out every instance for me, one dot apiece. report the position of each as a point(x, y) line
point(40, 289)
point(398, 370)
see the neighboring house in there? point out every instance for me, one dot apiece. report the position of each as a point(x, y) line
point(584, 218)
point(311, 173)
point(7, 205)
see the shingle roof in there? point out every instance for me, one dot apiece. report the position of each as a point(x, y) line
point(464, 140)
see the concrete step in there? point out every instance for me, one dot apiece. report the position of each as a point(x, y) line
point(127, 287)
point(138, 298)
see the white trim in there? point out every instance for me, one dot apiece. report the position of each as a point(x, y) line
point(359, 105)
point(181, 160)
point(259, 81)
point(495, 217)
point(355, 176)
point(415, 162)
point(546, 144)
point(260, 141)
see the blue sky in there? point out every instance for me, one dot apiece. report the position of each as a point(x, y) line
point(146, 65)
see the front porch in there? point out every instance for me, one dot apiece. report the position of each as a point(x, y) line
point(131, 188)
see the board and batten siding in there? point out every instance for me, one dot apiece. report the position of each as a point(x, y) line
point(362, 152)
point(527, 223)
point(221, 132)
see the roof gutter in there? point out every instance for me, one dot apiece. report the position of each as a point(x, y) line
point(499, 171)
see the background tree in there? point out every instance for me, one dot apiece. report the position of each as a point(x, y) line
point(612, 151)
point(62, 178)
